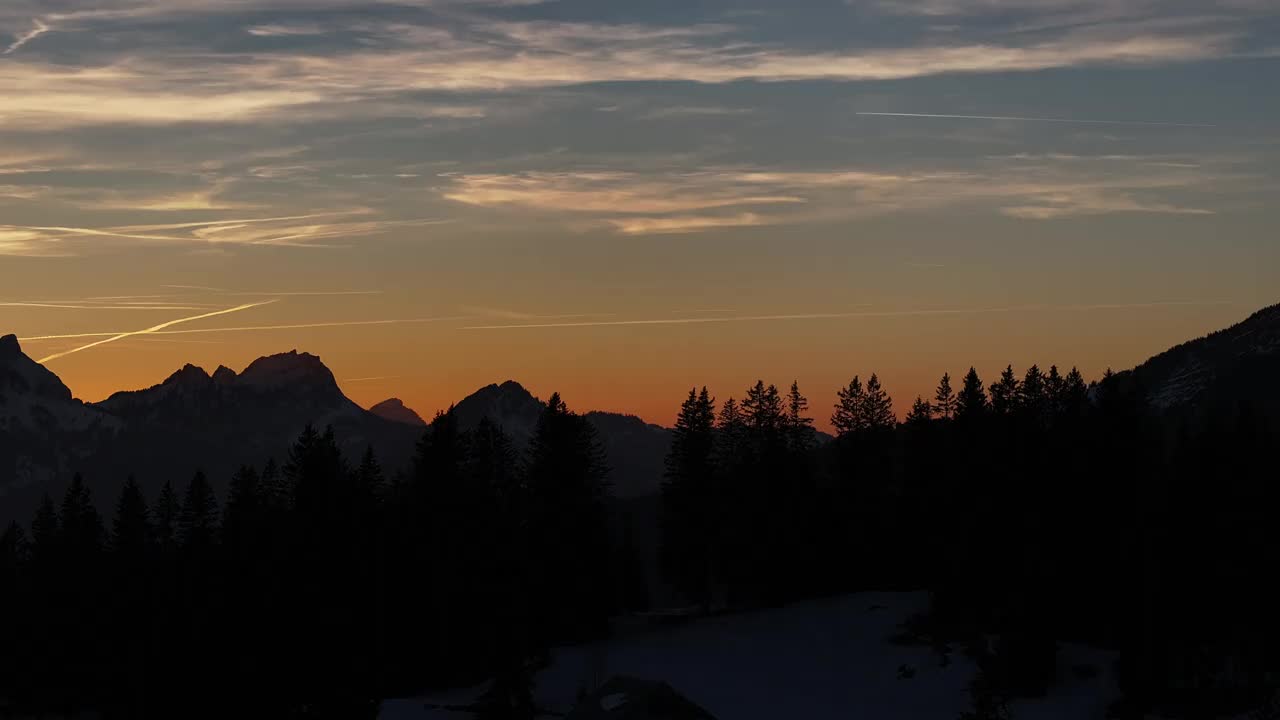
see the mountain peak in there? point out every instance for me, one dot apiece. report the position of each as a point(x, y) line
point(224, 375)
point(188, 374)
point(288, 368)
point(396, 411)
point(9, 346)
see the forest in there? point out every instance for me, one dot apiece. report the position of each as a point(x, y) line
point(1036, 510)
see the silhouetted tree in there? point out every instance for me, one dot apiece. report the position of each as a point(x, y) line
point(944, 399)
point(849, 416)
point(688, 498)
point(921, 413)
point(198, 521)
point(971, 403)
point(1004, 393)
point(877, 406)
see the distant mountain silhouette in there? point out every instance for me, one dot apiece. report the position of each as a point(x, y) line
point(194, 420)
point(395, 411)
point(636, 450)
point(1220, 371)
point(191, 421)
point(44, 431)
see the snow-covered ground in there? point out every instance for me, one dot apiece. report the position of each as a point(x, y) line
point(821, 660)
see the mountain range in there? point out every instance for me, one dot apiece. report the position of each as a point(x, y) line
point(215, 422)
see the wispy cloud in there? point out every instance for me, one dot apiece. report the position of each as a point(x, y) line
point(664, 203)
point(685, 223)
point(153, 329)
point(1155, 123)
point(846, 315)
point(285, 231)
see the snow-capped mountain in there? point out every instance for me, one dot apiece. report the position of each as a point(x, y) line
point(44, 431)
point(1218, 371)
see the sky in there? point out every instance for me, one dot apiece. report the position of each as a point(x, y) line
point(620, 200)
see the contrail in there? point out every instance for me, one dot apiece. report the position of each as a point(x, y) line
point(96, 307)
point(251, 328)
point(844, 315)
point(155, 329)
point(27, 37)
point(1038, 119)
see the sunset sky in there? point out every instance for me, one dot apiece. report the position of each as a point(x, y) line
point(618, 200)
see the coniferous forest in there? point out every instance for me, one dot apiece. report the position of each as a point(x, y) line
point(1035, 509)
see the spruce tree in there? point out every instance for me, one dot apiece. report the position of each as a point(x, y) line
point(197, 522)
point(242, 514)
point(45, 530)
point(921, 413)
point(1004, 393)
point(131, 529)
point(566, 476)
point(165, 516)
point(971, 403)
point(1033, 394)
point(799, 424)
point(944, 399)
point(877, 406)
point(688, 502)
point(762, 409)
point(848, 417)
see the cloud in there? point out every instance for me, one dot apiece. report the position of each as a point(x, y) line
point(846, 315)
point(286, 30)
point(1038, 119)
point(382, 78)
point(605, 192)
point(684, 224)
point(282, 231)
point(637, 203)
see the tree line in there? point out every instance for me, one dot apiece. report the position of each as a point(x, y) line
point(319, 586)
point(1037, 509)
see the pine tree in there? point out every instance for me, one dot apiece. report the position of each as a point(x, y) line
point(762, 409)
point(1004, 393)
point(1075, 394)
point(799, 425)
point(197, 522)
point(944, 399)
point(45, 530)
point(131, 529)
point(82, 528)
point(1055, 388)
point(971, 402)
point(848, 416)
point(1033, 394)
point(242, 515)
point(687, 498)
point(370, 482)
point(877, 406)
point(165, 515)
point(921, 413)
point(274, 489)
point(566, 476)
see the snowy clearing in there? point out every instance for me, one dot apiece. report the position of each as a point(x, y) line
point(828, 659)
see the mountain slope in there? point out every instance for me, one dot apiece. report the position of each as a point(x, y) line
point(636, 450)
point(1219, 371)
point(44, 431)
point(395, 411)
